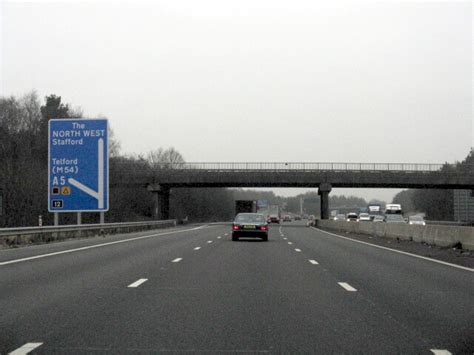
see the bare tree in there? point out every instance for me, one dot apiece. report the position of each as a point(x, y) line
point(165, 159)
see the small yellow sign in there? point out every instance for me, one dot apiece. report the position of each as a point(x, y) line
point(65, 190)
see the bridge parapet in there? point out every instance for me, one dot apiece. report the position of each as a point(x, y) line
point(376, 175)
point(301, 166)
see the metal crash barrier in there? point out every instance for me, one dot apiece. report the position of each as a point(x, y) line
point(31, 235)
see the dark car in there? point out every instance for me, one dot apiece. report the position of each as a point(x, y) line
point(252, 225)
point(352, 217)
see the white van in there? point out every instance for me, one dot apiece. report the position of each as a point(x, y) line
point(393, 209)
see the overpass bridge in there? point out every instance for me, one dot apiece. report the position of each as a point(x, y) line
point(162, 177)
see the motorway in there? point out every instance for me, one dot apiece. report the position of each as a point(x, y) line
point(191, 289)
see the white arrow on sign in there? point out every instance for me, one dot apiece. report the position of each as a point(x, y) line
point(99, 195)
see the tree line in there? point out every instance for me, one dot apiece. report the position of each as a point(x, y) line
point(24, 164)
point(24, 172)
point(437, 204)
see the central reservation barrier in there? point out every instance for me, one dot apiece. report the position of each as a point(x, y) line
point(433, 234)
point(30, 235)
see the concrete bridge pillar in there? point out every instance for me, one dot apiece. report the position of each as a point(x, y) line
point(323, 192)
point(162, 201)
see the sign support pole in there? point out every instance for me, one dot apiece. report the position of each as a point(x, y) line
point(56, 218)
point(79, 218)
point(102, 217)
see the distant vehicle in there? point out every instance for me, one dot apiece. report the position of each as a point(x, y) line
point(393, 209)
point(416, 220)
point(274, 214)
point(245, 206)
point(253, 225)
point(311, 221)
point(297, 217)
point(394, 218)
point(352, 217)
point(364, 217)
point(374, 210)
point(378, 218)
point(340, 217)
point(287, 218)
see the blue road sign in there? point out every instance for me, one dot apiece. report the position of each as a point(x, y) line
point(78, 165)
point(262, 204)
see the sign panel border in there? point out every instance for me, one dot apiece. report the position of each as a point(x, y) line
point(49, 164)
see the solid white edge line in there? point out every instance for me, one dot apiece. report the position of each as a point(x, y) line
point(177, 260)
point(398, 251)
point(25, 349)
point(346, 286)
point(94, 246)
point(314, 262)
point(137, 283)
point(298, 250)
point(197, 248)
point(440, 352)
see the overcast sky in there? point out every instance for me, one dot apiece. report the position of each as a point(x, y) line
point(379, 81)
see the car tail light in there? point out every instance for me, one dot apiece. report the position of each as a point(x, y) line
point(235, 228)
point(264, 228)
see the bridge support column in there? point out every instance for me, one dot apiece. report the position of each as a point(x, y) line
point(323, 192)
point(162, 202)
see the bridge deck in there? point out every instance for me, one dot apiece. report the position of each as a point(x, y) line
point(376, 175)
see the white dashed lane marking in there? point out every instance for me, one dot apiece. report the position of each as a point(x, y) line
point(285, 238)
point(197, 248)
point(25, 349)
point(290, 243)
point(177, 260)
point(219, 237)
point(347, 287)
point(314, 262)
point(298, 250)
point(440, 352)
point(138, 283)
point(94, 246)
point(209, 241)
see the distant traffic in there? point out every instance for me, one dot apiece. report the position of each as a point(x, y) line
point(373, 213)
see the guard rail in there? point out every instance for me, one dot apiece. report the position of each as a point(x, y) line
point(30, 235)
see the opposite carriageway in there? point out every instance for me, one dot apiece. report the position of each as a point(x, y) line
point(160, 178)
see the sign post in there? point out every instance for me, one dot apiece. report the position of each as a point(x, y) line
point(78, 166)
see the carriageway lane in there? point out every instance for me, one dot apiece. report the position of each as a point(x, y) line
point(427, 299)
point(40, 249)
point(246, 296)
point(38, 296)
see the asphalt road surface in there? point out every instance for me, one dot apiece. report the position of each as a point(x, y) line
point(192, 289)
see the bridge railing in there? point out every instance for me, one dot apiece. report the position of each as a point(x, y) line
point(303, 166)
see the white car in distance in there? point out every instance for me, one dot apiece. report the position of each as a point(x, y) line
point(416, 220)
